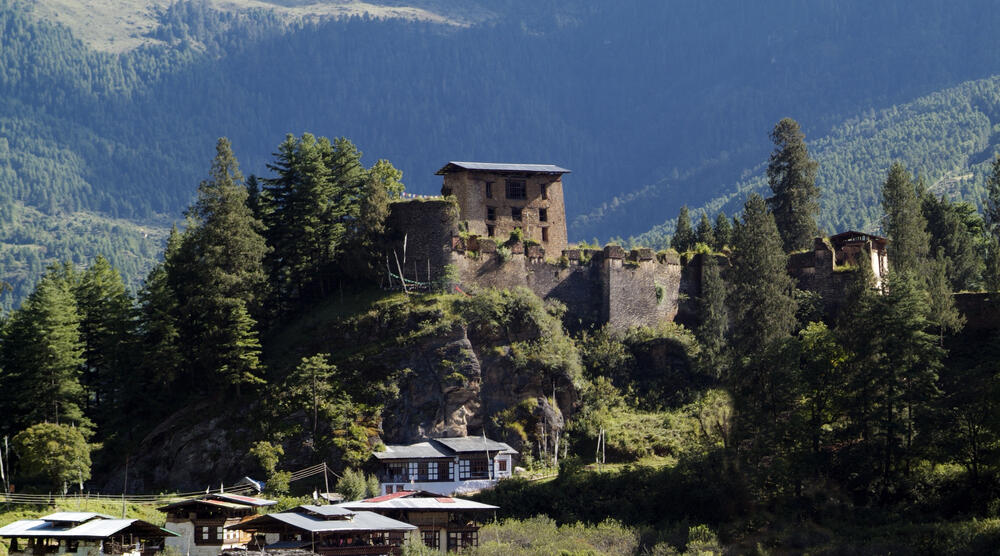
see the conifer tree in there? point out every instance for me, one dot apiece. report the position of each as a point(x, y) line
point(763, 377)
point(905, 226)
point(891, 379)
point(381, 182)
point(792, 177)
point(761, 295)
point(43, 356)
point(704, 233)
point(714, 319)
point(991, 273)
point(226, 237)
point(217, 275)
point(239, 349)
point(723, 231)
point(942, 313)
point(991, 204)
point(107, 328)
point(683, 239)
point(955, 229)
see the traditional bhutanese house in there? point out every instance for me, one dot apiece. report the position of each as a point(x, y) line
point(444, 523)
point(328, 530)
point(444, 465)
point(83, 534)
point(202, 522)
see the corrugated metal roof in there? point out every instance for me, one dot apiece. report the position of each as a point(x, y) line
point(465, 444)
point(322, 510)
point(358, 521)
point(202, 502)
point(501, 167)
point(419, 450)
point(98, 528)
point(246, 500)
point(444, 504)
point(74, 517)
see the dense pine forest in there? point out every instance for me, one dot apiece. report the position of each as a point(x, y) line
point(257, 345)
point(98, 150)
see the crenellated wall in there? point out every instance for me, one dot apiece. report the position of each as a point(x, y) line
point(609, 286)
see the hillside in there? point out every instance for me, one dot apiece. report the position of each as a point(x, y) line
point(125, 132)
point(949, 138)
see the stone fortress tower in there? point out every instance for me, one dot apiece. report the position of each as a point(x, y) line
point(494, 199)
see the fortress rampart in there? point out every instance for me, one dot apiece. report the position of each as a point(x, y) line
point(615, 286)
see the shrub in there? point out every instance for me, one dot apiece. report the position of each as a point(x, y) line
point(355, 485)
point(517, 236)
point(504, 253)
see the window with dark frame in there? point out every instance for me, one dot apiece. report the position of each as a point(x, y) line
point(543, 215)
point(545, 234)
point(517, 189)
point(491, 213)
point(431, 539)
point(545, 191)
point(502, 464)
point(490, 231)
point(489, 190)
point(516, 213)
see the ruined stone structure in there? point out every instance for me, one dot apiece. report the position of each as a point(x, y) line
point(829, 267)
point(494, 199)
point(606, 286)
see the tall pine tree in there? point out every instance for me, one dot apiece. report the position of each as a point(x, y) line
point(723, 231)
point(43, 355)
point(792, 177)
point(909, 242)
point(683, 239)
point(704, 233)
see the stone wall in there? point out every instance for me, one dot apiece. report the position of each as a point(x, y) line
point(427, 228)
point(612, 286)
point(981, 310)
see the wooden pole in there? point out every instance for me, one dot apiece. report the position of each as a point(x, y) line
point(402, 279)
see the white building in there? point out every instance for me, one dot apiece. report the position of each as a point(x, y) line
point(445, 465)
point(84, 534)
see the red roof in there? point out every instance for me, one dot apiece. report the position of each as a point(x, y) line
point(444, 500)
point(393, 496)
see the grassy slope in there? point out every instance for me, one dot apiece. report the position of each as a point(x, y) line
point(122, 25)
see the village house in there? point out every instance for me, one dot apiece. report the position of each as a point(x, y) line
point(443, 523)
point(326, 530)
point(494, 199)
point(201, 522)
point(84, 534)
point(444, 466)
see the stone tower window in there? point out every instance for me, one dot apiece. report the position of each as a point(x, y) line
point(515, 213)
point(517, 189)
point(490, 231)
point(489, 190)
point(545, 191)
point(491, 213)
point(543, 215)
point(545, 234)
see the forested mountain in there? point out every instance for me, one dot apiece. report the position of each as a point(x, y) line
point(663, 103)
point(948, 138)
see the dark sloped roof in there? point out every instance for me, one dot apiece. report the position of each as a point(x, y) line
point(455, 166)
point(422, 450)
point(466, 444)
